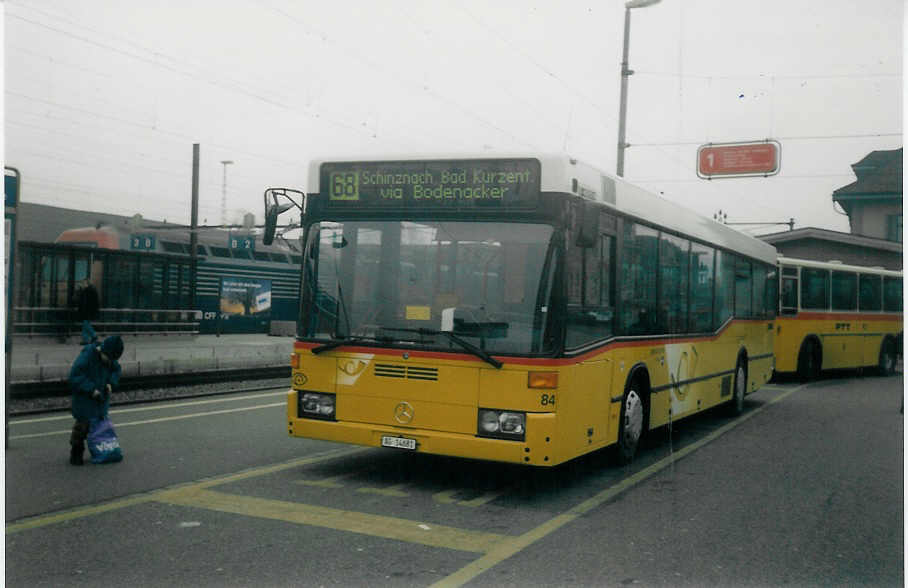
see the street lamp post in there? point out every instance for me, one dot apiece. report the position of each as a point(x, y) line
point(225, 163)
point(625, 72)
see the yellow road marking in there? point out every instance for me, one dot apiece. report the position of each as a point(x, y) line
point(447, 497)
point(86, 511)
point(325, 482)
point(331, 518)
point(333, 481)
point(393, 491)
point(511, 546)
point(152, 407)
point(158, 420)
point(484, 498)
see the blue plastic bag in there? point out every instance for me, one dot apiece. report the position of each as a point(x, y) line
point(102, 442)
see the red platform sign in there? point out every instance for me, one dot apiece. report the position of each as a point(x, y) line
point(724, 160)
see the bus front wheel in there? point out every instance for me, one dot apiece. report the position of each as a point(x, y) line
point(632, 422)
point(736, 405)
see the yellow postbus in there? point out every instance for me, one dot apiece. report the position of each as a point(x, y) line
point(833, 316)
point(525, 310)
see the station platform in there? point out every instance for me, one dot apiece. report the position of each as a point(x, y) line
point(47, 360)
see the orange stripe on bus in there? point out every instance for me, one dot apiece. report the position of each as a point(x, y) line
point(531, 361)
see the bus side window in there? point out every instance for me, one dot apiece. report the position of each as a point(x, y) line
point(743, 288)
point(702, 268)
point(844, 291)
point(590, 293)
point(871, 292)
point(639, 258)
point(771, 300)
point(789, 296)
point(815, 288)
point(759, 287)
point(674, 271)
point(892, 294)
point(725, 287)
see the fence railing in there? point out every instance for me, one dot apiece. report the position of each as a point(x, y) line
point(64, 322)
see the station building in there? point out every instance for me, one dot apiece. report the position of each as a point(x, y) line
point(873, 203)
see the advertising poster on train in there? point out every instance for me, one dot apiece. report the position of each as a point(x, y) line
point(245, 296)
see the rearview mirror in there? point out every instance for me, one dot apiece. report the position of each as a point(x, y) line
point(274, 208)
point(271, 214)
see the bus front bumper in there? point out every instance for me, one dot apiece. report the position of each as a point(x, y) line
point(538, 448)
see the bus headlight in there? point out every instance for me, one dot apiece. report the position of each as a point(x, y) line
point(502, 424)
point(317, 405)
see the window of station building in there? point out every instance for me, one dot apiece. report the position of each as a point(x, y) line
point(743, 288)
point(674, 270)
point(219, 251)
point(639, 257)
point(814, 288)
point(702, 260)
point(844, 291)
point(591, 304)
point(200, 250)
point(892, 294)
point(242, 254)
point(871, 294)
point(725, 287)
point(261, 256)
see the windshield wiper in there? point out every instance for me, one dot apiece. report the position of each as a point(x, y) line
point(349, 341)
point(480, 353)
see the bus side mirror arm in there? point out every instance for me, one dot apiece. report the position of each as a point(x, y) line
point(274, 208)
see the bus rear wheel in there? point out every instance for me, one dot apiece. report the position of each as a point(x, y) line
point(632, 422)
point(809, 361)
point(886, 366)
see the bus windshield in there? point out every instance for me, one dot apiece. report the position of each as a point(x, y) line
point(410, 282)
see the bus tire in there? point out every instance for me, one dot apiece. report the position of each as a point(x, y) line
point(632, 425)
point(886, 364)
point(809, 360)
point(736, 404)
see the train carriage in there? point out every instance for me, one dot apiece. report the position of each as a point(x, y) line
point(250, 288)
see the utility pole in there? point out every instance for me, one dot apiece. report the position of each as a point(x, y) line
point(225, 163)
point(194, 223)
point(625, 73)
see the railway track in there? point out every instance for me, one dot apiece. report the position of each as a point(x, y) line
point(46, 397)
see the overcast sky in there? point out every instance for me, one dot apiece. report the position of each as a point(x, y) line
point(104, 98)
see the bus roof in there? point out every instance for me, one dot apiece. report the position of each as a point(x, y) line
point(562, 173)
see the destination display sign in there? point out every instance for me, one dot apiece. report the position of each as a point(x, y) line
point(725, 160)
point(461, 183)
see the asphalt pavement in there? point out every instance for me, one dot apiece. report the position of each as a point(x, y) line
point(804, 489)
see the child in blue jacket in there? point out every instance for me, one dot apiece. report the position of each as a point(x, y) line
point(94, 375)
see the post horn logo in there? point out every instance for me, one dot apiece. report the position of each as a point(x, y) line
point(352, 367)
point(403, 413)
